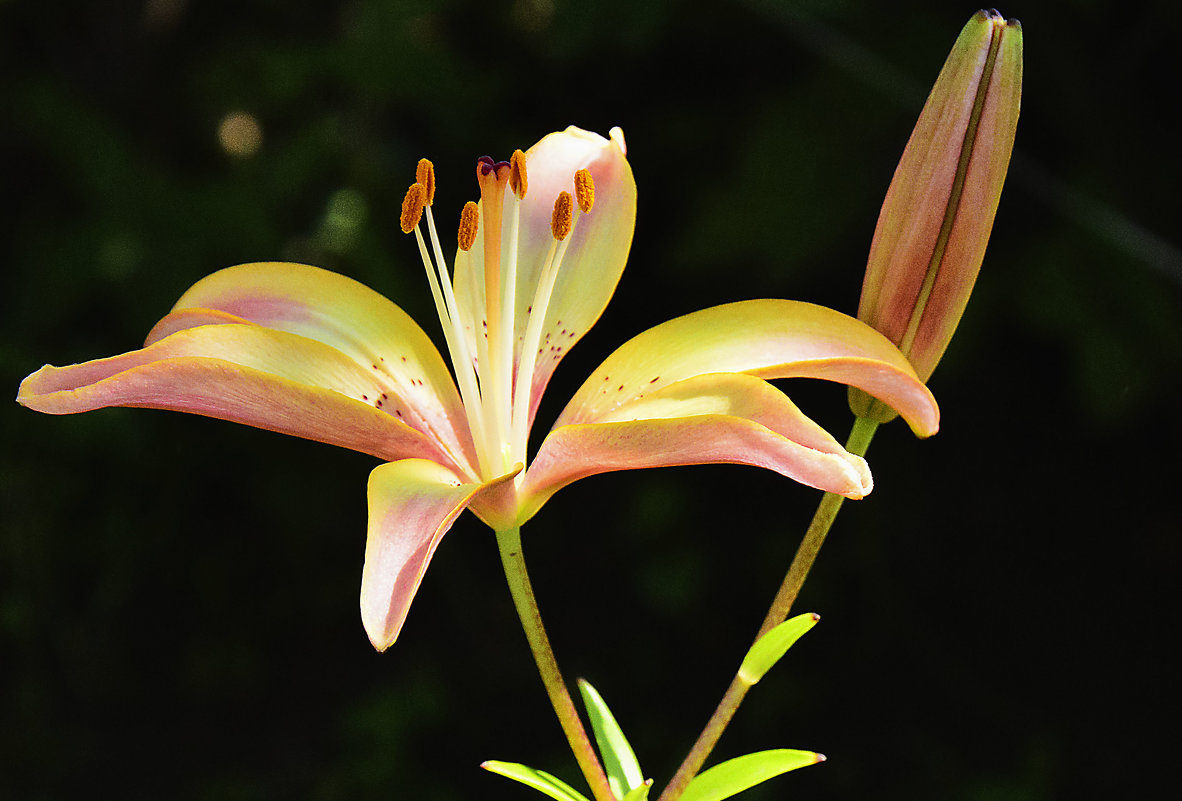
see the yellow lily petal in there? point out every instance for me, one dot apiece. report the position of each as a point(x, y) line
point(248, 374)
point(764, 338)
point(412, 504)
point(339, 312)
point(708, 419)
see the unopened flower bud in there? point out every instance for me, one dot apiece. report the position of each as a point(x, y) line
point(939, 210)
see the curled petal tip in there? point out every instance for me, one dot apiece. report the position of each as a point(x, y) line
point(617, 136)
point(861, 482)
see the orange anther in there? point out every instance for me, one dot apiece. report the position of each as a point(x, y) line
point(469, 222)
point(412, 207)
point(585, 190)
point(560, 222)
point(517, 177)
point(425, 175)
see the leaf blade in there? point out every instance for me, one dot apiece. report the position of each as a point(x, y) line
point(540, 780)
point(619, 760)
point(736, 775)
point(769, 648)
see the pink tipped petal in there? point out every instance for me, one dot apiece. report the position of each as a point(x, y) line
point(594, 258)
point(339, 312)
point(764, 338)
point(247, 374)
point(412, 504)
point(708, 419)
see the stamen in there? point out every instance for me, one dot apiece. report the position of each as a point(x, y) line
point(412, 211)
point(412, 207)
point(517, 177)
point(425, 175)
point(457, 343)
point(562, 219)
point(584, 190)
point(561, 223)
point(469, 224)
point(531, 340)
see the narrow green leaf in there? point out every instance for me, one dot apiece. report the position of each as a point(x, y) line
point(736, 775)
point(540, 780)
point(639, 793)
point(619, 761)
point(773, 645)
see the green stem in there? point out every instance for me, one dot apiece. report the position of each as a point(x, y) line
point(509, 543)
point(802, 562)
point(814, 537)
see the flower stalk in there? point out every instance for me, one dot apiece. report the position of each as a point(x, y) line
point(512, 559)
point(806, 554)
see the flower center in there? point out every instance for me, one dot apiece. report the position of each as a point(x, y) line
point(494, 367)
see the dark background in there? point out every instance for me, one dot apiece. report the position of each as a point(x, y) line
point(178, 596)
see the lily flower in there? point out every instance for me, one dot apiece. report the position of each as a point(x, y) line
point(935, 222)
point(303, 351)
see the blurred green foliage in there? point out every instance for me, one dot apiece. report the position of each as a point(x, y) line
point(178, 596)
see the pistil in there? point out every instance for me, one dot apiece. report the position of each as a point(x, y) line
point(518, 183)
point(495, 380)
